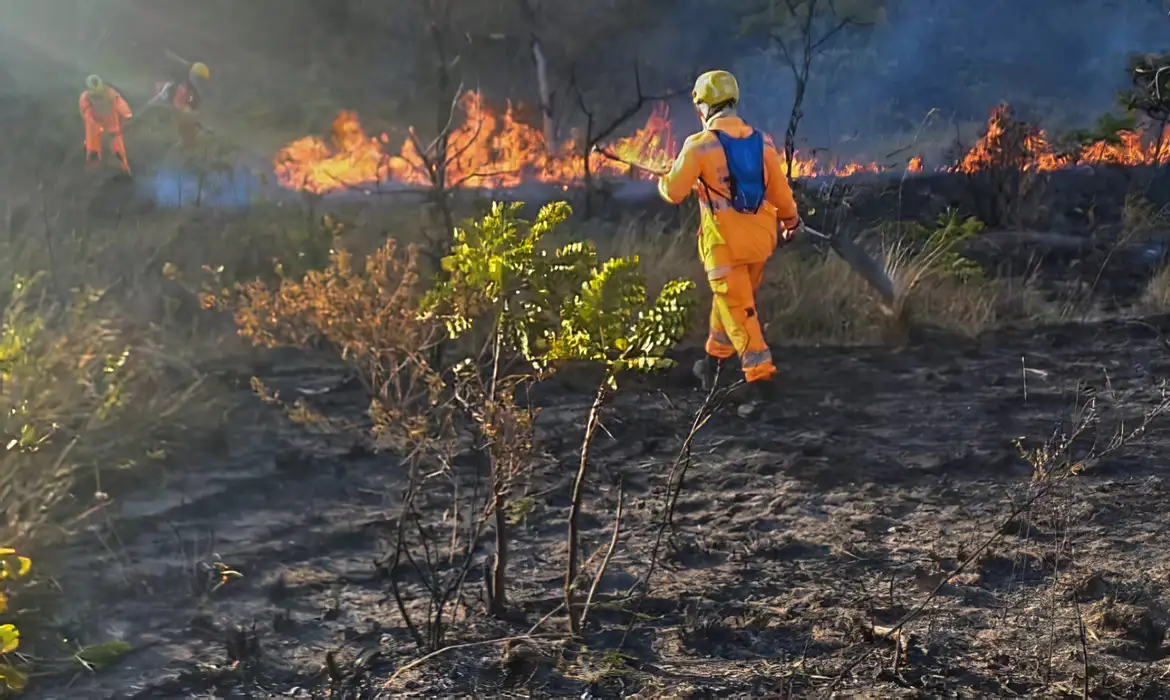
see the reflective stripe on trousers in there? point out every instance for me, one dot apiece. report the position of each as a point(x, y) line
point(756, 358)
point(734, 318)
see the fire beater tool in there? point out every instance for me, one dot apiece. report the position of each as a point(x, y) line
point(873, 272)
point(862, 263)
point(610, 155)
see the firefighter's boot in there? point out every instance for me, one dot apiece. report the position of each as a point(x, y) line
point(706, 371)
point(759, 395)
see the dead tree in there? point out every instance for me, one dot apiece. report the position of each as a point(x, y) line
point(597, 132)
point(800, 30)
point(437, 154)
point(1150, 93)
point(531, 10)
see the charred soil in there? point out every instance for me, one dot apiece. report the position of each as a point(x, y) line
point(798, 538)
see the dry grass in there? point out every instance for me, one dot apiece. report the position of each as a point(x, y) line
point(812, 298)
point(107, 364)
point(1140, 218)
point(1156, 298)
point(83, 392)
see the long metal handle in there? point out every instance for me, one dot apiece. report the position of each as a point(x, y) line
point(805, 228)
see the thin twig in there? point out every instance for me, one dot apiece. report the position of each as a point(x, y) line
point(1069, 468)
point(674, 480)
point(617, 530)
point(467, 645)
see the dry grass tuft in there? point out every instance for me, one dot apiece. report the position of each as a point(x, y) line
point(1156, 298)
point(1140, 218)
point(811, 298)
point(82, 391)
point(107, 362)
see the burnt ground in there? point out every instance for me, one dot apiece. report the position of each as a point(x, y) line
point(797, 536)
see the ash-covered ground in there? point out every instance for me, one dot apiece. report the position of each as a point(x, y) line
point(797, 538)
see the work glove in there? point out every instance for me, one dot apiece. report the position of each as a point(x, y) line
point(788, 234)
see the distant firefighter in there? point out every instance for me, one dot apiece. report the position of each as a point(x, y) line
point(104, 110)
point(184, 92)
point(182, 89)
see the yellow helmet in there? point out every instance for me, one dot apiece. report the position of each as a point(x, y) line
point(715, 89)
point(94, 83)
point(200, 70)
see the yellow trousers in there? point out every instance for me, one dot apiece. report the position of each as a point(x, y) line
point(735, 325)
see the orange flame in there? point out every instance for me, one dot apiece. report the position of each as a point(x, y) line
point(484, 151)
point(490, 150)
point(1037, 153)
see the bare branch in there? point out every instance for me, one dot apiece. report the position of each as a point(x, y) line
point(613, 541)
point(487, 642)
point(831, 33)
point(632, 110)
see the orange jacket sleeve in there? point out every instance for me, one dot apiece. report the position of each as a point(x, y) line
point(779, 192)
point(121, 106)
point(86, 106)
point(676, 186)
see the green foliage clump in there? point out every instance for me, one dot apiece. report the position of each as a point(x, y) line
point(1149, 91)
point(552, 306)
point(1073, 145)
point(13, 569)
point(942, 243)
point(543, 308)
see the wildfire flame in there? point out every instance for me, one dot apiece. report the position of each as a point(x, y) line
point(1007, 138)
point(484, 151)
point(490, 150)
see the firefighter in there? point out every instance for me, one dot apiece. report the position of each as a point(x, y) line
point(103, 109)
point(747, 209)
point(183, 91)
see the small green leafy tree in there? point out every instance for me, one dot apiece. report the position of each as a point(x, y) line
point(1149, 93)
point(610, 322)
point(497, 276)
point(538, 309)
point(939, 248)
point(926, 256)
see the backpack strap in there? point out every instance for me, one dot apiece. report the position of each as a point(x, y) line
point(708, 188)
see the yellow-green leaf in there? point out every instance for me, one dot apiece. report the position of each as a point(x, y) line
point(9, 639)
point(104, 654)
point(14, 566)
point(13, 678)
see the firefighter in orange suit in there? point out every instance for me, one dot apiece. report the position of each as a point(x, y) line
point(104, 110)
point(747, 208)
point(184, 92)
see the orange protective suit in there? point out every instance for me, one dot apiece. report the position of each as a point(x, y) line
point(104, 111)
point(184, 97)
point(733, 246)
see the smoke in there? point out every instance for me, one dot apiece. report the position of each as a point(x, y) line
point(1059, 62)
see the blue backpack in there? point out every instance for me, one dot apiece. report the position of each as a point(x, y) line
point(745, 167)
